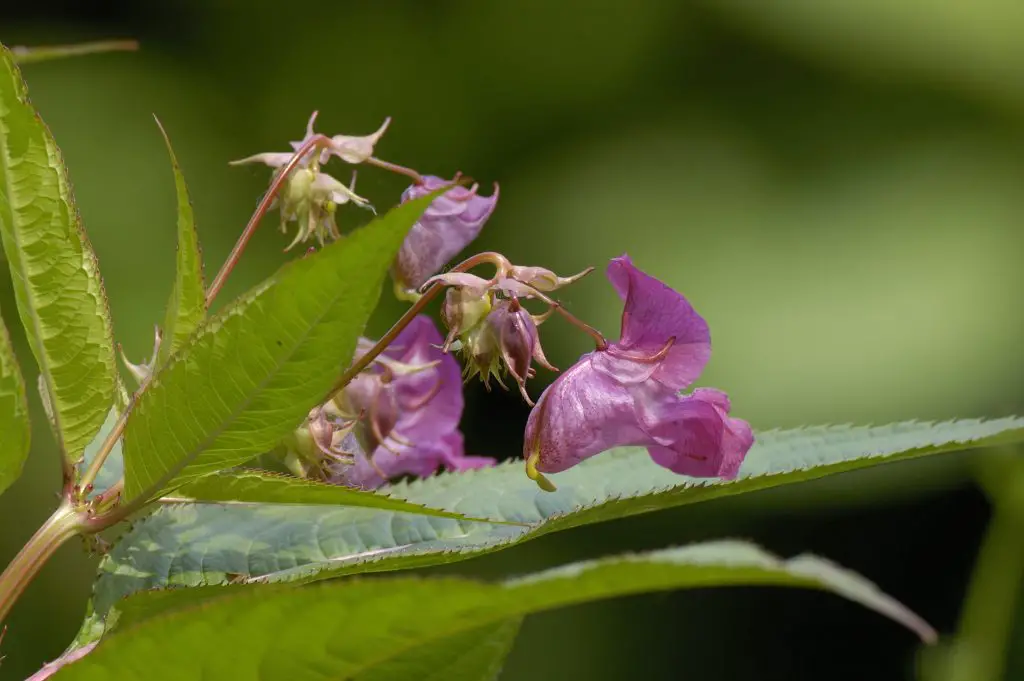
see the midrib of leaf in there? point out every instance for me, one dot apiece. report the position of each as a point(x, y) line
point(339, 287)
point(192, 455)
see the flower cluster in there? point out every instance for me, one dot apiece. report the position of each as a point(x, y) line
point(311, 197)
point(399, 415)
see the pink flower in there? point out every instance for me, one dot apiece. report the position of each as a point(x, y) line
point(407, 408)
point(627, 394)
point(452, 221)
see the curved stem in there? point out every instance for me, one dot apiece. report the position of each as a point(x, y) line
point(61, 526)
point(395, 168)
point(428, 294)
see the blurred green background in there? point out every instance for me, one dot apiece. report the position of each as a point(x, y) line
point(838, 187)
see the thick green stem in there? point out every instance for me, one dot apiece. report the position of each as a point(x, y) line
point(61, 526)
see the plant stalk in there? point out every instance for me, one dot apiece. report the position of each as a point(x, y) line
point(316, 141)
point(64, 524)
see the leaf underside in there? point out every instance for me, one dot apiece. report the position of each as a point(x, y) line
point(191, 544)
point(56, 281)
point(273, 631)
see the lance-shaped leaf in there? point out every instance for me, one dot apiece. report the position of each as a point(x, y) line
point(209, 544)
point(187, 305)
point(252, 373)
point(56, 278)
point(14, 424)
point(254, 631)
point(259, 487)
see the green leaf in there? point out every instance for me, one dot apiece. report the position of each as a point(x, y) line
point(113, 465)
point(252, 373)
point(14, 424)
point(186, 308)
point(210, 544)
point(366, 629)
point(28, 55)
point(56, 278)
point(259, 487)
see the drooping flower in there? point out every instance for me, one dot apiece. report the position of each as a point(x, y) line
point(449, 224)
point(310, 197)
point(406, 410)
point(628, 393)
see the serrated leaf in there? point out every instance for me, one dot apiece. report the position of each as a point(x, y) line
point(256, 632)
point(28, 55)
point(258, 487)
point(187, 305)
point(57, 286)
point(202, 544)
point(14, 424)
point(252, 373)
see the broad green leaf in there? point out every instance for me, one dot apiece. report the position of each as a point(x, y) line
point(27, 55)
point(208, 544)
point(187, 305)
point(56, 278)
point(252, 373)
point(259, 487)
point(366, 629)
point(14, 424)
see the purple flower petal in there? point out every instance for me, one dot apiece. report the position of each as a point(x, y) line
point(417, 411)
point(628, 393)
point(653, 314)
point(583, 413)
point(452, 221)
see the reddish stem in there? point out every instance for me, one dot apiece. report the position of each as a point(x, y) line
point(316, 141)
point(428, 294)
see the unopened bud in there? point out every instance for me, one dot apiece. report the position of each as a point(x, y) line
point(463, 309)
point(481, 348)
point(519, 342)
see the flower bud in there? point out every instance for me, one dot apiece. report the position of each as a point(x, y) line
point(481, 348)
point(518, 340)
point(449, 224)
point(463, 309)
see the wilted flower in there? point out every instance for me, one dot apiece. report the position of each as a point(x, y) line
point(448, 225)
point(310, 197)
point(628, 393)
point(406, 408)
